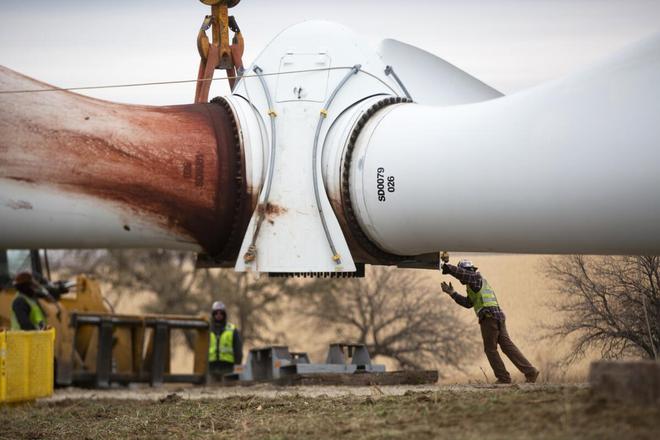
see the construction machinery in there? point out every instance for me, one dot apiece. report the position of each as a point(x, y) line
point(95, 346)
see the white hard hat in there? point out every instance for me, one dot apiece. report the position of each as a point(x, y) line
point(466, 264)
point(218, 305)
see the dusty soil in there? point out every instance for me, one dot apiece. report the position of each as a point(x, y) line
point(456, 412)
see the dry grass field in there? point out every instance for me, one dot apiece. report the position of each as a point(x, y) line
point(518, 412)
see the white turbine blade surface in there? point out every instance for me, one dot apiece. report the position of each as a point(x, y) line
point(432, 80)
point(571, 166)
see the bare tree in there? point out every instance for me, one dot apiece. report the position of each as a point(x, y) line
point(252, 301)
point(126, 272)
point(607, 303)
point(393, 312)
point(180, 289)
point(396, 314)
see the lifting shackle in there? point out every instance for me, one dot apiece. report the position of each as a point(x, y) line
point(218, 53)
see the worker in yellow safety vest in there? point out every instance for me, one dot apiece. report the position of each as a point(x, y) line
point(481, 297)
point(26, 313)
point(225, 345)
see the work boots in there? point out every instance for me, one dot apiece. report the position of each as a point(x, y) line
point(531, 378)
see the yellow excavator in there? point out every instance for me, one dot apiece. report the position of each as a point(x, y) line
point(94, 346)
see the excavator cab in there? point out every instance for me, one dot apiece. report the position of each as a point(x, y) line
point(5, 278)
point(12, 262)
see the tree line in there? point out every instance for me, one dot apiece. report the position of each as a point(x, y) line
point(606, 304)
point(396, 313)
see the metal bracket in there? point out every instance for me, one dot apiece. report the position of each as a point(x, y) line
point(389, 70)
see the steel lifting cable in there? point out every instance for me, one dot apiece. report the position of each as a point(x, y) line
point(324, 114)
point(185, 81)
point(262, 204)
point(389, 70)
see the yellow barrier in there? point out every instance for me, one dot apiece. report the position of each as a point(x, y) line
point(26, 364)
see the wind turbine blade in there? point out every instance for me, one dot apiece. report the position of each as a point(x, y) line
point(432, 80)
point(571, 166)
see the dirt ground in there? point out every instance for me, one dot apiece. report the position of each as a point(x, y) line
point(456, 412)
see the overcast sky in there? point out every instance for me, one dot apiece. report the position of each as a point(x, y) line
point(509, 44)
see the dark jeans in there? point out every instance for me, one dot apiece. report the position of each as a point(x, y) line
point(221, 367)
point(494, 332)
point(218, 369)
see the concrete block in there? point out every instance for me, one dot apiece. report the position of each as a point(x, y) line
point(626, 381)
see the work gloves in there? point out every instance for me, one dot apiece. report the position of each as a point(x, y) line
point(447, 288)
point(444, 258)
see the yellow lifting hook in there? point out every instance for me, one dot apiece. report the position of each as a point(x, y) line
point(218, 53)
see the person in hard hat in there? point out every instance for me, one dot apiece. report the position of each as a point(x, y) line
point(481, 297)
point(225, 345)
point(26, 313)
